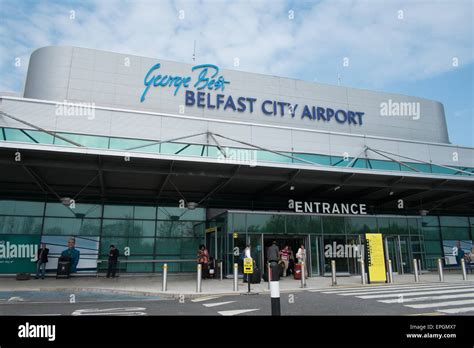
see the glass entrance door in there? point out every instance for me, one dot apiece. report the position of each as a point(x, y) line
point(397, 249)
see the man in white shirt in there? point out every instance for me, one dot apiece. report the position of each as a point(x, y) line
point(301, 256)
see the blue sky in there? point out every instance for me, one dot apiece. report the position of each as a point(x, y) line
point(406, 47)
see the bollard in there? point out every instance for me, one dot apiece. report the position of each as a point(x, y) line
point(275, 289)
point(440, 270)
point(333, 271)
point(415, 271)
point(236, 276)
point(199, 278)
point(269, 274)
point(463, 266)
point(303, 275)
point(165, 277)
point(221, 272)
point(362, 271)
point(390, 271)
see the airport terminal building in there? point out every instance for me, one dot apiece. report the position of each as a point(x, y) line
point(158, 157)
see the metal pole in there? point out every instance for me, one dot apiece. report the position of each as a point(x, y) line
point(275, 289)
point(236, 275)
point(165, 277)
point(333, 271)
point(463, 265)
point(199, 276)
point(269, 270)
point(362, 271)
point(221, 271)
point(390, 271)
point(303, 275)
point(440, 270)
point(419, 267)
point(415, 271)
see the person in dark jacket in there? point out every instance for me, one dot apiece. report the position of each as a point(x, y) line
point(42, 260)
point(113, 258)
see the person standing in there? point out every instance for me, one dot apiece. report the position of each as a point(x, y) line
point(203, 260)
point(42, 260)
point(273, 254)
point(113, 259)
point(284, 255)
point(301, 256)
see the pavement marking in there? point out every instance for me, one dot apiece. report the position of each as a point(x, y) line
point(428, 298)
point(111, 311)
point(423, 314)
point(384, 286)
point(381, 291)
point(215, 304)
point(457, 310)
point(416, 293)
point(79, 301)
point(39, 315)
point(441, 304)
point(201, 299)
point(237, 311)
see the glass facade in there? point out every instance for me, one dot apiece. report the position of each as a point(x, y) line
point(210, 151)
point(147, 232)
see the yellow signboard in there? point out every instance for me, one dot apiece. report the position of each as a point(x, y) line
point(248, 265)
point(375, 257)
point(236, 235)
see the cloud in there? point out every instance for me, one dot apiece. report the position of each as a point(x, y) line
point(381, 47)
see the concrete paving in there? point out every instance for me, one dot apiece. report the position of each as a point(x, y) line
point(151, 285)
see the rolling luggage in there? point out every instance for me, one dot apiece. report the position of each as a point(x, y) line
point(64, 267)
point(256, 277)
point(297, 274)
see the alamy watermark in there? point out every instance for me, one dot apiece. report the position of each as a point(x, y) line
point(76, 109)
point(336, 250)
point(391, 108)
point(239, 156)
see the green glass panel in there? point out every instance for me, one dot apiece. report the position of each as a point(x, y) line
point(429, 221)
point(460, 221)
point(143, 228)
point(144, 213)
point(119, 242)
point(117, 227)
point(455, 233)
point(338, 161)
point(319, 159)
point(360, 225)
point(40, 137)
point(266, 156)
point(81, 209)
point(127, 144)
point(10, 207)
point(237, 222)
point(315, 224)
point(433, 247)
point(85, 140)
point(71, 226)
point(266, 223)
point(333, 225)
point(414, 226)
point(168, 213)
point(421, 167)
point(2, 137)
point(145, 267)
point(177, 229)
point(398, 226)
point(20, 225)
point(141, 246)
point(13, 134)
point(118, 211)
point(385, 165)
point(172, 148)
point(298, 224)
point(191, 150)
point(168, 246)
point(442, 170)
point(431, 233)
point(471, 221)
point(383, 225)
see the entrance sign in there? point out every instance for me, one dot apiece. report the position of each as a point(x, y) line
point(327, 208)
point(375, 257)
point(248, 265)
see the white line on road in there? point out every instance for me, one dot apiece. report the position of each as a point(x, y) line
point(457, 310)
point(416, 293)
point(217, 304)
point(386, 291)
point(201, 299)
point(237, 311)
point(441, 304)
point(383, 286)
point(428, 298)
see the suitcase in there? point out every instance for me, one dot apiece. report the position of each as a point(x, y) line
point(297, 274)
point(256, 277)
point(63, 270)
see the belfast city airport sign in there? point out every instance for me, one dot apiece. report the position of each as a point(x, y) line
point(206, 78)
point(327, 208)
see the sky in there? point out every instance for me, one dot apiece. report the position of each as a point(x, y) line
point(414, 47)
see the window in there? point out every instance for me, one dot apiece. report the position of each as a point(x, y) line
point(11, 207)
point(84, 140)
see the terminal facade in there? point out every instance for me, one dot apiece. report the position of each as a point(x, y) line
point(158, 157)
